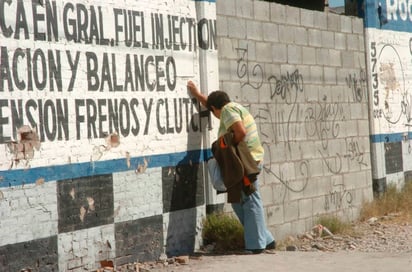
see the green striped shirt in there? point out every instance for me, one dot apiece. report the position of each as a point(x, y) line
point(234, 112)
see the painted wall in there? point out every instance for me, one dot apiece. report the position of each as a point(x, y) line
point(389, 55)
point(103, 147)
point(302, 74)
point(101, 143)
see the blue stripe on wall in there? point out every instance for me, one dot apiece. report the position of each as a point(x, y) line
point(76, 170)
point(380, 21)
point(390, 138)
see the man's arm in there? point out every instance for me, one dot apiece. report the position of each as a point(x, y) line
point(202, 98)
point(239, 131)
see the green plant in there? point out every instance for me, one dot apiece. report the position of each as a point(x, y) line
point(334, 224)
point(224, 231)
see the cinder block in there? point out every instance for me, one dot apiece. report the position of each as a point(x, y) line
point(328, 39)
point(279, 53)
point(358, 26)
point(282, 230)
point(329, 74)
point(287, 34)
point(291, 211)
point(227, 7)
point(334, 22)
point(346, 24)
point(305, 208)
point(308, 55)
point(318, 205)
point(261, 10)
point(321, 21)
point(335, 58)
point(254, 30)
point(263, 52)
point(270, 32)
point(274, 215)
point(244, 9)
point(277, 13)
point(292, 15)
point(221, 27)
point(236, 27)
point(315, 37)
point(348, 59)
point(340, 41)
point(306, 18)
point(301, 36)
point(353, 42)
point(294, 54)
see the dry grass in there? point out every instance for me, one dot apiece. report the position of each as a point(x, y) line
point(393, 201)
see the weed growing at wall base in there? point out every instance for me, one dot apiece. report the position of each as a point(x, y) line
point(335, 225)
point(223, 231)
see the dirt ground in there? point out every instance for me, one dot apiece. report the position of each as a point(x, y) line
point(376, 246)
point(299, 261)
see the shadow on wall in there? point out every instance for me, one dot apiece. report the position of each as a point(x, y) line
point(183, 191)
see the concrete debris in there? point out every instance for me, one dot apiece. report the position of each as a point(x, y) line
point(373, 235)
point(292, 248)
point(182, 259)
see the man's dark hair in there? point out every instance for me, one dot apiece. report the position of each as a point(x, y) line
point(217, 99)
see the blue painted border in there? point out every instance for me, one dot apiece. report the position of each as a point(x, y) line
point(372, 18)
point(20, 177)
point(390, 138)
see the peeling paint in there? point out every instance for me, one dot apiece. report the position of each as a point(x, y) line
point(128, 159)
point(141, 168)
point(117, 211)
point(82, 214)
point(27, 142)
point(90, 201)
point(388, 78)
point(97, 152)
point(40, 181)
point(73, 193)
point(113, 140)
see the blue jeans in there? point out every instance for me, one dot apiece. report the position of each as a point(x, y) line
point(251, 214)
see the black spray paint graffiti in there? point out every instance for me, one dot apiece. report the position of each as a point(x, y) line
point(287, 88)
point(245, 72)
point(357, 85)
point(322, 121)
point(354, 152)
point(279, 124)
point(338, 197)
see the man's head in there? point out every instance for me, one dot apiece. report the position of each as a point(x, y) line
point(216, 101)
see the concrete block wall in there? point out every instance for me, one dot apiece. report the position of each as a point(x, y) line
point(302, 74)
point(102, 147)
